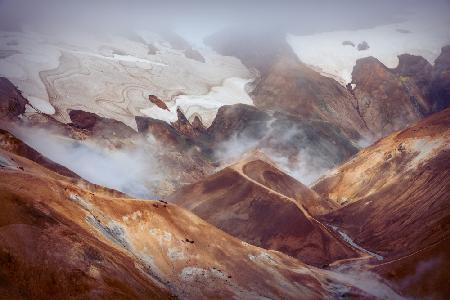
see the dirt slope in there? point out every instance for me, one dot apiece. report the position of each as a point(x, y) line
point(395, 203)
point(57, 237)
point(254, 201)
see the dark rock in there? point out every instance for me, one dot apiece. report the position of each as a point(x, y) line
point(415, 67)
point(83, 119)
point(198, 125)
point(158, 102)
point(385, 100)
point(163, 132)
point(12, 103)
point(348, 43)
point(439, 89)
point(363, 46)
point(236, 119)
point(99, 126)
point(185, 128)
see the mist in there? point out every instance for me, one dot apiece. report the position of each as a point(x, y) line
point(196, 18)
point(293, 148)
point(133, 170)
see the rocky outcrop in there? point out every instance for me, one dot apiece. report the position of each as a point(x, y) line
point(392, 99)
point(387, 101)
point(198, 126)
point(363, 46)
point(161, 131)
point(99, 126)
point(439, 88)
point(83, 119)
point(186, 159)
point(180, 134)
point(185, 128)
point(239, 119)
point(415, 67)
point(12, 103)
point(158, 102)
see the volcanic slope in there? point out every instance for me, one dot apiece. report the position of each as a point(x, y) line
point(261, 205)
point(395, 196)
point(59, 238)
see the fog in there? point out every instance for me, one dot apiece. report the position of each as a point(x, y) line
point(195, 18)
point(132, 170)
point(296, 149)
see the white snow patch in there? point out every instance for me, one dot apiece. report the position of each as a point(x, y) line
point(41, 105)
point(121, 58)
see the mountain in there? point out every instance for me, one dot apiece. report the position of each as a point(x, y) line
point(90, 242)
point(292, 87)
point(394, 197)
point(287, 85)
point(275, 172)
point(310, 147)
point(255, 202)
point(377, 100)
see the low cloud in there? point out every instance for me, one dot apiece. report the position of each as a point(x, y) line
point(289, 148)
point(133, 170)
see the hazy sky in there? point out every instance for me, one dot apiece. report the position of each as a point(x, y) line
point(297, 16)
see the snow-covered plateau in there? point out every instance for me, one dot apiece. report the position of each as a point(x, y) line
point(113, 75)
point(335, 53)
